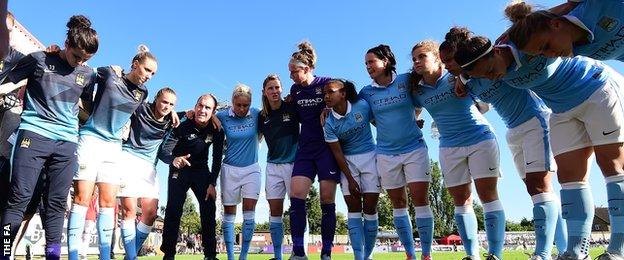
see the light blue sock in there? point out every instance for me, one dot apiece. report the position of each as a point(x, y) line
point(561, 232)
point(142, 232)
point(356, 234)
point(128, 235)
point(371, 227)
point(228, 234)
point(249, 224)
point(577, 205)
point(105, 226)
point(403, 227)
point(424, 223)
point(615, 196)
point(545, 212)
point(75, 227)
point(466, 221)
point(277, 235)
point(494, 227)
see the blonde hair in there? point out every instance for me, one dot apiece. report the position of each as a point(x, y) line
point(143, 53)
point(265, 101)
point(165, 90)
point(241, 90)
point(305, 55)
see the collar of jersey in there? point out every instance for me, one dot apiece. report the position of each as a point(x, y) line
point(442, 75)
point(232, 114)
point(579, 23)
point(514, 53)
point(338, 116)
point(375, 85)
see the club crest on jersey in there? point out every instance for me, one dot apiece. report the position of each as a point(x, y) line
point(285, 117)
point(80, 79)
point(318, 90)
point(208, 138)
point(402, 87)
point(608, 23)
point(25, 143)
point(358, 117)
point(1, 65)
point(451, 80)
point(137, 94)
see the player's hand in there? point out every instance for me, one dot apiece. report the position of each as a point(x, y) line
point(324, 115)
point(190, 114)
point(288, 98)
point(181, 161)
point(175, 120)
point(53, 49)
point(420, 123)
point(118, 70)
point(215, 122)
point(211, 192)
point(460, 89)
point(354, 187)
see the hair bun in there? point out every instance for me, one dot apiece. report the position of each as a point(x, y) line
point(78, 21)
point(142, 48)
point(517, 10)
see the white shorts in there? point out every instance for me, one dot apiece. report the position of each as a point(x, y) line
point(277, 183)
point(138, 179)
point(596, 121)
point(364, 170)
point(530, 146)
point(97, 160)
point(398, 170)
point(238, 183)
point(462, 164)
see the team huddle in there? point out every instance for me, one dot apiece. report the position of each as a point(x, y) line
point(544, 76)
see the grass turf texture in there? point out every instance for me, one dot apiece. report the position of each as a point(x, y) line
point(507, 255)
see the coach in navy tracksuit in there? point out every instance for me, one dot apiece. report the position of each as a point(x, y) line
point(186, 151)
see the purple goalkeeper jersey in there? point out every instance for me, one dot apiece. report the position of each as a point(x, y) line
point(309, 103)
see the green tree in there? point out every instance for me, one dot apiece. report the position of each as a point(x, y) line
point(441, 203)
point(384, 211)
point(263, 226)
point(341, 224)
point(313, 208)
point(527, 224)
point(478, 210)
point(190, 222)
point(286, 221)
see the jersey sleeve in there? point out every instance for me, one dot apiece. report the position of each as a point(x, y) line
point(329, 133)
point(25, 68)
point(87, 91)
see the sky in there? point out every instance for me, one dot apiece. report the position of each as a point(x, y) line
point(210, 46)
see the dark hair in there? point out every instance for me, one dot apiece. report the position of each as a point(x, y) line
point(452, 38)
point(305, 54)
point(143, 53)
point(164, 90)
point(383, 52)
point(265, 101)
point(346, 86)
point(80, 34)
point(471, 50)
point(526, 22)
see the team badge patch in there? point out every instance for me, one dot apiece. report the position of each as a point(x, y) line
point(358, 117)
point(608, 23)
point(25, 143)
point(285, 117)
point(402, 87)
point(319, 91)
point(137, 94)
point(208, 138)
point(1, 65)
point(80, 79)
point(451, 80)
